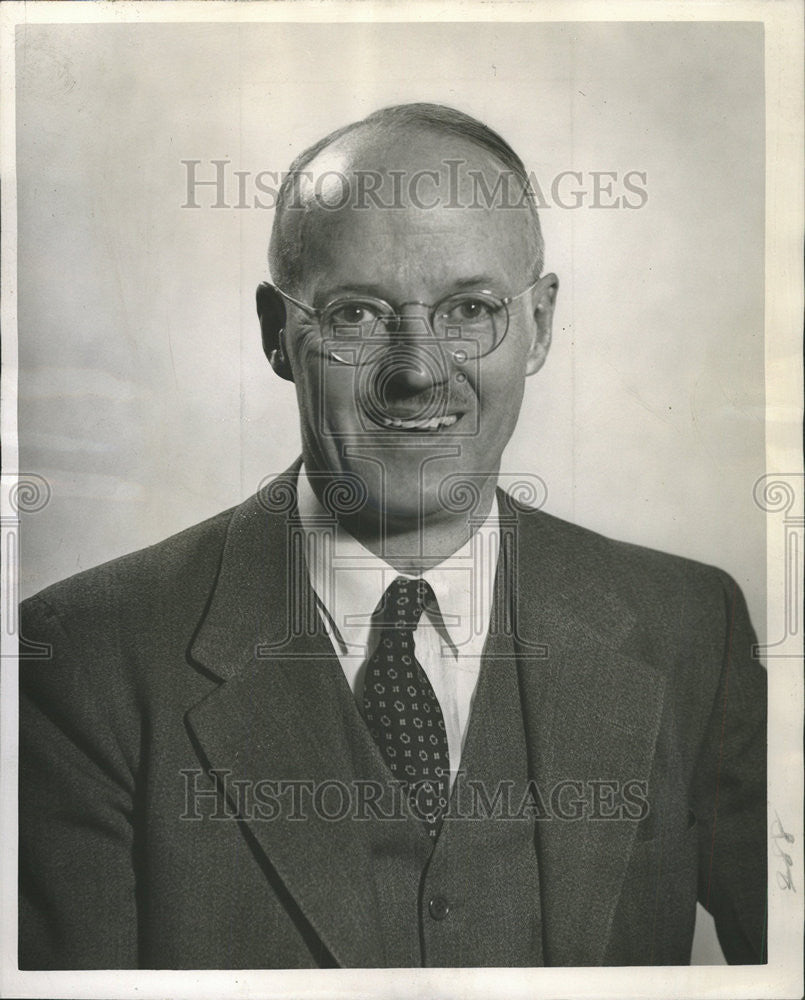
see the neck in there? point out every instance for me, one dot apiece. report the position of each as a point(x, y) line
point(414, 544)
point(413, 548)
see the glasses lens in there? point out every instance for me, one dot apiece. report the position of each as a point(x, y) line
point(355, 320)
point(468, 325)
point(473, 323)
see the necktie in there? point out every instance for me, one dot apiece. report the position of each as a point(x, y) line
point(401, 708)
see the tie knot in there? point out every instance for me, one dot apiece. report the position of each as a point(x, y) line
point(403, 602)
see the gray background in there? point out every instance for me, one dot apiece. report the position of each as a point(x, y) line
point(144, 398)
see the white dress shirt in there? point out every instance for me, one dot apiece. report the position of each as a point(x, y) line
point(349, 582)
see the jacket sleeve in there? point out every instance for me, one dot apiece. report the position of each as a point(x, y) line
point(730, 793)
point(77, 848)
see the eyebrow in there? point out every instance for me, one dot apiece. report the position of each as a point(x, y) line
point(479, 279)
point(378, 292)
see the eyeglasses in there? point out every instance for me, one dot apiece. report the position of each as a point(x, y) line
point(355, 329)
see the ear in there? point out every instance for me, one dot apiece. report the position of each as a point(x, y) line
point(543, 300)
point(271, 310)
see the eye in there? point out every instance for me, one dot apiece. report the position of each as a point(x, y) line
point(468, 309)
point(353, 313)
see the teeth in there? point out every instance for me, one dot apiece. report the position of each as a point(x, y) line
point(421, 425)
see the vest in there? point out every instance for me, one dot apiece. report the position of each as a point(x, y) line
point(473, 898)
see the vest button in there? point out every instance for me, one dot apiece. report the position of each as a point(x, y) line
point(438, 907)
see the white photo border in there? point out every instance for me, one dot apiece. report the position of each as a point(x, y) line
point(782, 494)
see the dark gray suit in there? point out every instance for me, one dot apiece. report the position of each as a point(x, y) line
point(628, 664)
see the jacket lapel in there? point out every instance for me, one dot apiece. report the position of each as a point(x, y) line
point(592, 713)
point(278, 717)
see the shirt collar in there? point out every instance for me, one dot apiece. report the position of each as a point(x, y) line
point(349, 580)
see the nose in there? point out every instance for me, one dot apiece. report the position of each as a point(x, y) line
point(407, 373)
point(414, 362)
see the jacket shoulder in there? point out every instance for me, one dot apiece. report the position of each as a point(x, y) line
point(584, 547)
point(661, 591)
point(178, 570)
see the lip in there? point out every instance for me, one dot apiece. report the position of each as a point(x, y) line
point(414, 425)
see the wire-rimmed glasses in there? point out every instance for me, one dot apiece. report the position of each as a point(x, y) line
point(355, 329)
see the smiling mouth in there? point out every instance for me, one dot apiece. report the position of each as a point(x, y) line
point(430, 424)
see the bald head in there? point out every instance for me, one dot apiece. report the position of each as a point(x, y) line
point(420, 159)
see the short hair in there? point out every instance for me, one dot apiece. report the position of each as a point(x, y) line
point(284, 252)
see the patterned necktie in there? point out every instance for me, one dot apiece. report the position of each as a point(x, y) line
point(401, 708)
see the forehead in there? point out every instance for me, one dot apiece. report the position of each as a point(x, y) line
point(413, 213)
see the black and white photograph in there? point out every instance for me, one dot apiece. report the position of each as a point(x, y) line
point(402, 500)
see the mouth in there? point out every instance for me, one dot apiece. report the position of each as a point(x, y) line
point(432, 424)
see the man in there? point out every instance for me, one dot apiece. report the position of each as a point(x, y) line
point(382, 714)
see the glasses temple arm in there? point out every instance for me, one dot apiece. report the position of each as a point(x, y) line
point(296, 302)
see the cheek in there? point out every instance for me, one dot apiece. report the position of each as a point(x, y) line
point(325, 393)
point(501, 413)
point(500, 393)
point(505, 379)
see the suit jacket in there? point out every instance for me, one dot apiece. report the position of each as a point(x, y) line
point(155, 679)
